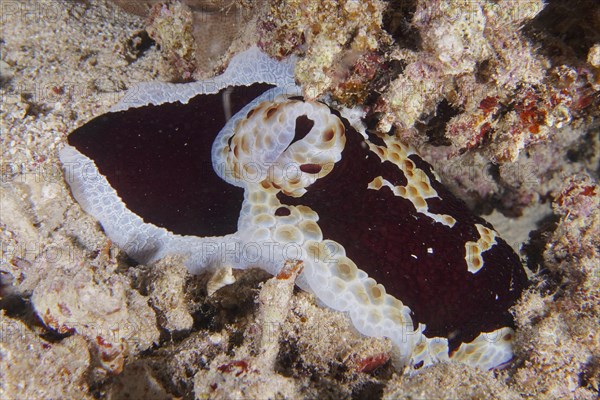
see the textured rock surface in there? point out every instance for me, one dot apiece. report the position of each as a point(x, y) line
point(65, 62)
point(166, 284)
point(104, 309)
point(31, 367)
point(558, 327)
point(196, 35)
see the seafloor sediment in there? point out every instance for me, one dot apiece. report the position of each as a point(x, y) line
point(501, 96)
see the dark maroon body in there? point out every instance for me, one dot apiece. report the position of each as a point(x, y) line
point(158, 160)
point(419, 261)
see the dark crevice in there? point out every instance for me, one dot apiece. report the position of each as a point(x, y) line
point(534, 248)
point(14, 305)
point(397, 21)
point(434, 126)
point(566, 29)
point(138, 45)
point(288, 359)
point(389, 71)
point(235, 340)
point(484, 72)
point(584, 151)
point(368, 391)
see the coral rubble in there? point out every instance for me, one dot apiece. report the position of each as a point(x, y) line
point(338, 40)
point(558, 338)
point(35, 368)
point(195, 35)
point(468, 82)
point(471, 76)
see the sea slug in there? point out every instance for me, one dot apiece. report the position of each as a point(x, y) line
point(240, 171)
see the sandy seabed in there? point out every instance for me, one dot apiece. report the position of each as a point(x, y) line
point(79, 320)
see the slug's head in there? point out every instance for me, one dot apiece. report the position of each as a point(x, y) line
point(284, 144)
